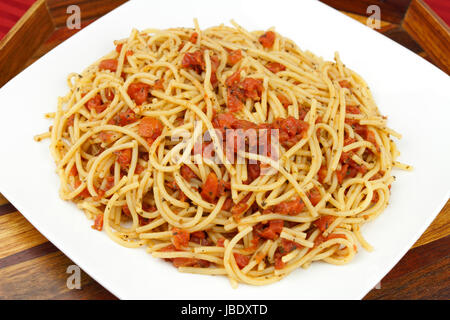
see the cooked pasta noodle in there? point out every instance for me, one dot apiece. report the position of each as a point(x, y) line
point(126, 144)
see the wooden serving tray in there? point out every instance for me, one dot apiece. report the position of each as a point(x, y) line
point(33, 268)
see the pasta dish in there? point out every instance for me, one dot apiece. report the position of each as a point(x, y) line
point(224, 151)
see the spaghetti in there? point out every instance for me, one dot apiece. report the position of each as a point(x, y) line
point(126, 144)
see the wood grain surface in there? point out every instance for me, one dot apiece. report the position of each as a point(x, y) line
point(423, 26)
point(23, 40)
point(33, 268)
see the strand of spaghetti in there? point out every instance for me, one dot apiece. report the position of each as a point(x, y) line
point(108, 230)
point(301, 143)
point(101, 157)
point(340, 130)
point(88, 134)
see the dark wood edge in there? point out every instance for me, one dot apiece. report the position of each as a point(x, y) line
point(24, 39)
point(391, 10)
point(430, 32)
point(423, 273)
point(89, 9)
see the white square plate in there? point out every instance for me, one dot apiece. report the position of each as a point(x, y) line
point(412, 92)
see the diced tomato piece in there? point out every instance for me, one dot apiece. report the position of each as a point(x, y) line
point(149, 208)
point(109, 182)
point(73, 171)
point(194, 61)
point(125, 118)
point(352, 109)
point(371, 138)
point(349, 167)
point(105, 136)
point(349, 140)
point(123, 157)
point(94, 102)
point(345, 84)
point(227, 205)
point(119, 49)
point(342, 173)
point(84, 193)
point(159, 85)
point(187, 173)
point(284, 100)
point(291, 130)
point(302, 111)
point(221, 242)
point(109, 94)
point(234, 57)
point(289, 246)
point(199, 234)
point(291, 208)
point(194, 37)
point(324, 222)
point(360, 129)
point(314, 196)
point(241, 207)
point(322, 174)
point(100, 194)
point(108, 64)
point(270, 230)
point(182, 197)
point(267, 39)
point(253, 172)
point(275, 67)
point(279, 264)
point(223, 121)
point(98, 222)
point(253, 88)
point(139, 169)
point(214, 65)
point(101, 108)
point(126, 211)
point(150, 128)
point(180, 238)
point(234, 79)
point(210, 188)
point(223, 186)
point(254, 242)
point(375, 197)
point(70, 120)
point(233, 102)
point(200, 238)
point(319, 119)
point(236, 91)
point(138, 91)
point(238, 210)
point(318, 240)
point(241, 260)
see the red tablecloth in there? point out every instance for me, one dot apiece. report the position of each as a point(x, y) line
point(10, 13)
point(442, 8)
